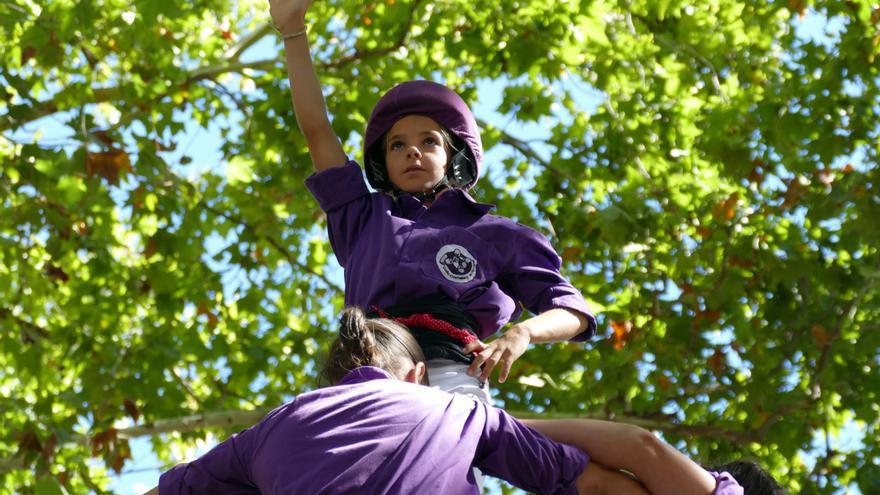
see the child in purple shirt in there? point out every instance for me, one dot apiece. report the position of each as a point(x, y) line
point(422, 250)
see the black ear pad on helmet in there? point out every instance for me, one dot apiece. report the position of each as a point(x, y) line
point(377, 171)
point(462, 170)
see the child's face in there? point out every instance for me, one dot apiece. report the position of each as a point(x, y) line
point(415, 154)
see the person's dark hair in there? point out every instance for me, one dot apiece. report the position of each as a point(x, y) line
point(449, 143)
point(375, 342)
point(752, 477)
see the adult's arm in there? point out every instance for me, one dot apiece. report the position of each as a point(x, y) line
point(662, 468)
point(599, 480)
point(220, 470)
point(305, 89)
point(223, 469)
point(529, 460)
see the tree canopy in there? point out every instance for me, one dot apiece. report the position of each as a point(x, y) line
point(718, 206)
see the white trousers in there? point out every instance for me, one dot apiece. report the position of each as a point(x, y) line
point(451, 376)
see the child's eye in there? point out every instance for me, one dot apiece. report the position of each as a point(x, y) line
point(431, 140)
point(396, 145)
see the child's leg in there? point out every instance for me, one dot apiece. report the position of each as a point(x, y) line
point(451, 376)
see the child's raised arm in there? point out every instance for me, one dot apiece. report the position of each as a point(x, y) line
point(305, 89)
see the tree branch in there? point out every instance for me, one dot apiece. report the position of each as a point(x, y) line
point(221, 419)
point(813, 387)
point(681, 48)
point(185, 386)
point(113, 93)
point(248, 40)
point(212, 71)
point(231, 418)
point(849, 314)
point(231, 64)
point(401, 41)
point(89, 482)
point(275, 244)
point(48, 107)
point(30, 331)
point(524, 149)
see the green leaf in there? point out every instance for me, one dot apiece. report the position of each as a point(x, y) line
point(240, 170)
point(47, 486)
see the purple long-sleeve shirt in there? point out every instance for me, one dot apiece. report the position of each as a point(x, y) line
point(725, 484)
point(372, 434)
point(394, 251)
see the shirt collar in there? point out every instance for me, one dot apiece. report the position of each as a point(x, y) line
point(481, 208)
point(452, 199)
point(365, 374)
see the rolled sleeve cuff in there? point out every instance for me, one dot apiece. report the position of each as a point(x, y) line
point(573, 302)
point(337, 186)
point(577, 462)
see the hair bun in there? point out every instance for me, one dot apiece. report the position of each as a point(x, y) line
point(355, 335)
point(366, 341)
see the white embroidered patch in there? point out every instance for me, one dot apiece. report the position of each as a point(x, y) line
point(456, 263)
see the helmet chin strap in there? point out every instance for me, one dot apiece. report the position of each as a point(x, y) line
point(427, 196)
point(430, 195)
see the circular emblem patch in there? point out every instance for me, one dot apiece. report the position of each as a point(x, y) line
point(456, 263)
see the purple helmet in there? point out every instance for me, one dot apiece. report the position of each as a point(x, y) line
point(436, 102)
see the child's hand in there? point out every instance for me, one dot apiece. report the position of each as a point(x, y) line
point(504, 350)
point(288, 15)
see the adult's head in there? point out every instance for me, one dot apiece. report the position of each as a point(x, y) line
point(447, 113)
point(752, 477)
point(374, 342)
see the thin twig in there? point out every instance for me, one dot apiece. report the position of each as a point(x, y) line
point(379, 52)
point(247, 41)
point(185, 387)
point(525, 150)
point(34, 332)
point(274, 243)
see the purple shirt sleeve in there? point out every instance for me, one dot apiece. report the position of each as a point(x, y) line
point(725, 484)
point(533, 277)
point(342, 191)
point(219, 471)
point(527, 459)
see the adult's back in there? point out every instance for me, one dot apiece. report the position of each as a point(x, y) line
point(374, 434)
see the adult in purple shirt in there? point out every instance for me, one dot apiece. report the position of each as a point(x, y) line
point(376, 431)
